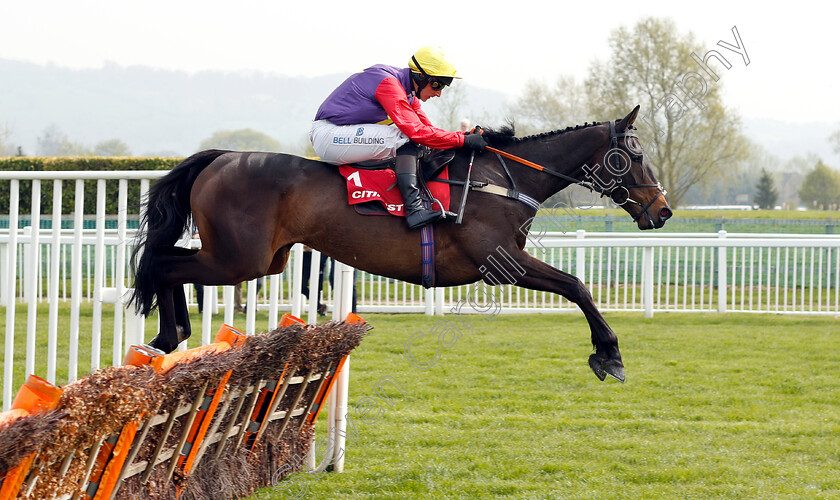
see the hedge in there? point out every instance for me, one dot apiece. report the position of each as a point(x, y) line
point(37, 164)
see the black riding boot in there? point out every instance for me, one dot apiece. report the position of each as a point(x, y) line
point(415, 214)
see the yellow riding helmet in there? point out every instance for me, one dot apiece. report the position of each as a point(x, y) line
point(431, 61)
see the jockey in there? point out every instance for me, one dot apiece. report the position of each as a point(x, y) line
point(354, 123)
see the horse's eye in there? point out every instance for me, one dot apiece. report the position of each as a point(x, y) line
point(634, 147)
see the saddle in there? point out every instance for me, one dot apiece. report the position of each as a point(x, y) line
point(370, 184)
point(431, 163)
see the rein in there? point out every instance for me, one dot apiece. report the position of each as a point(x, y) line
point(537, 166)
point(618, 194)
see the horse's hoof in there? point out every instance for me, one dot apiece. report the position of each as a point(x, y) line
point(155, 344)
point(161, 345)
point(602, 367)
point(614, 369)
point(595, 364)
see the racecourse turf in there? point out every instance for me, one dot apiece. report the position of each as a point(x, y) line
point(715, 406)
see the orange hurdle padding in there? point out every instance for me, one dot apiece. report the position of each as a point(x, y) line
point(114, 450)
point(202, 423)
point(112, 455)
point(109, 463)
point(260, 414)
point(226, 338)
point(353, 319)
point(289, 320)
point(142, 355)
point(322, 396)
point(173, 358)
point(259, 417)
point(204, 416)
point(35, 396)
point(230, 335)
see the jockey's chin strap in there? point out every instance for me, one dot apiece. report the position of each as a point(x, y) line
point(619, 194)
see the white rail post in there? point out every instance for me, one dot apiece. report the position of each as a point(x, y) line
point(227, 300)
point(4, 268)
point(439, 296)
point(135, 323)
point(647, 280)
point(208, 301)
point(52, 343)
point(251, 308)
point(297, 280)
point(11, 283)
point(429, 295)
point(26, 250)
point(722, 274)
point(273, 298)
point(31, 276)
point(342, 306)
point(98, 276)
point(118, 353)
point(580, 257)
point(76, 279)
point(314, 286)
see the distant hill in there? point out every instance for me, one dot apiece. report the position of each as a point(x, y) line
point(155, 111)
point(158, 111)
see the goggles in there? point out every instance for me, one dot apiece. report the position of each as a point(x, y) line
point(439, 82)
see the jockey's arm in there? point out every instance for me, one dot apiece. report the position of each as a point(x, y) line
point(413, 122)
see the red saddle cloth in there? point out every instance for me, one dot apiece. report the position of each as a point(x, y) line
point(381, 185)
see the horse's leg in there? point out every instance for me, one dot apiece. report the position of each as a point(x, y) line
point(172, 303)
point(540, 276)
point(182, 314)
point(169, 336)
point(180, 266)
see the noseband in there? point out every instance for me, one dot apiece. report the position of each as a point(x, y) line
point(618, 193)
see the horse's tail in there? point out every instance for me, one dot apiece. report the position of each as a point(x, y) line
point(164, 222)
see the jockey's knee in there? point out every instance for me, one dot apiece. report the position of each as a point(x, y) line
point(409, 149)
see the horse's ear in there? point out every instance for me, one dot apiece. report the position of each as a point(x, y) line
point(629, 119)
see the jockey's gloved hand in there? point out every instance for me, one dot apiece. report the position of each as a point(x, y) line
point(475, 141)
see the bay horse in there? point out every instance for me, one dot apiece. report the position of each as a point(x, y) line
point(250, 208)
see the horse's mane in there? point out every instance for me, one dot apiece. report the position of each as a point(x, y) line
point(505, 134)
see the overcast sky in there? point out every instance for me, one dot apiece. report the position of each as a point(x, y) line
point(792, 75)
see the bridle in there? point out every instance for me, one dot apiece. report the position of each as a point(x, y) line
point(618, 193)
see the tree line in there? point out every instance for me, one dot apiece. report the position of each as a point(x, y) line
point(693, 140)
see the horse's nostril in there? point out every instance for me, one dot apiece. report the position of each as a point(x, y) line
point(665, 213)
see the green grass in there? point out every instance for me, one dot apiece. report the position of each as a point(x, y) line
point(715, 406)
